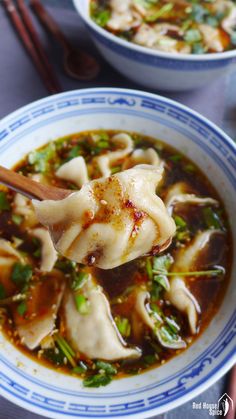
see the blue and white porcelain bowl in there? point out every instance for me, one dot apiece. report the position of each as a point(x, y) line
point(56, 395)
point(155, 69)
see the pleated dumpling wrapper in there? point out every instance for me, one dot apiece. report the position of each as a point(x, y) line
point(111, 220)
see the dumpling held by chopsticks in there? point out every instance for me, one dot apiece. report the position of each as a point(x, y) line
point(111, 220)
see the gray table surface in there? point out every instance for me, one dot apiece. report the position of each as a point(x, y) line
point(19, 85)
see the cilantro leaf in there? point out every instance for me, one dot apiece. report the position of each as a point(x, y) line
point(162, 263)
point(105, 366)
point(21, 274)
point(97, 380)
point(163, 281)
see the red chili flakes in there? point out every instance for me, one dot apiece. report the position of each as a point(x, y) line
point(129, 204)
point(155, 250)
point(138, 215)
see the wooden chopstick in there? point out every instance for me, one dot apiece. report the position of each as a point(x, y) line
point(19, 26)
point(29, 24)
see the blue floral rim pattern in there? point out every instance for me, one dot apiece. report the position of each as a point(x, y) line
point(214, 144)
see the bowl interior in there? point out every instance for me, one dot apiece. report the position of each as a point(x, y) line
point(55, 395)
point(82, 6)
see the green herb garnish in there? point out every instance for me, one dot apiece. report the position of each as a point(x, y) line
point(4, 204)
point(55, 356)
point(182, 231)
point(106, 367)
point(150, 359)
point(175, 158)
point(179, 221)
point(162, 264)
point(123, 325)
point(115, 169)
point(106, 371)
point(172, 324)
point(198, 48)
point(199, 13)
point(22, 308)
point(21, 274)
point(66, 349)
point(196, 273)
point(82, 304)
point(160, 13)
point(17, 219)
point(192, 35)
point(40, 159)
point(66, 266)
point(79, 280)
point(80, 369)
point(162, 280)
point(149, 268)
point(97, 380)
point(211, 218)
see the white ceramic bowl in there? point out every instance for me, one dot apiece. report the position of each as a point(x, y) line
point(56, 395)
point(156, 69)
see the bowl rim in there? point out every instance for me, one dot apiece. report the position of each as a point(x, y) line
point(230, 359)
point(217, 56)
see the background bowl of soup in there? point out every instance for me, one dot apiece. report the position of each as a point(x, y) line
point(161, 69)
point(46, 391)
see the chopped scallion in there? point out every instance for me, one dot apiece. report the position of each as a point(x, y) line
point(82, 304)
point(22, 308)
point(79, 280)
point(66, 349)
point(17, 219)
point(123, 326)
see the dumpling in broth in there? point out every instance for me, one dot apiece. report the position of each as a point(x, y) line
point(94, 333)
point(110, 221)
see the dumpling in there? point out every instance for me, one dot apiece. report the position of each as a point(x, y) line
point(181, 298)
point(48, 252)
point(140, 156)
point(105, 161)
point(154, 323)
point(186, 258)
point(177, 194)
point(229, 22)
point(41, 312)
point(110, 221)
point(185, 261)
point(156, 37)
point(94, 334)
point(8, 257)
point(123, 17)
point(211, 37)
point(23, 205)
point(74, 171)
